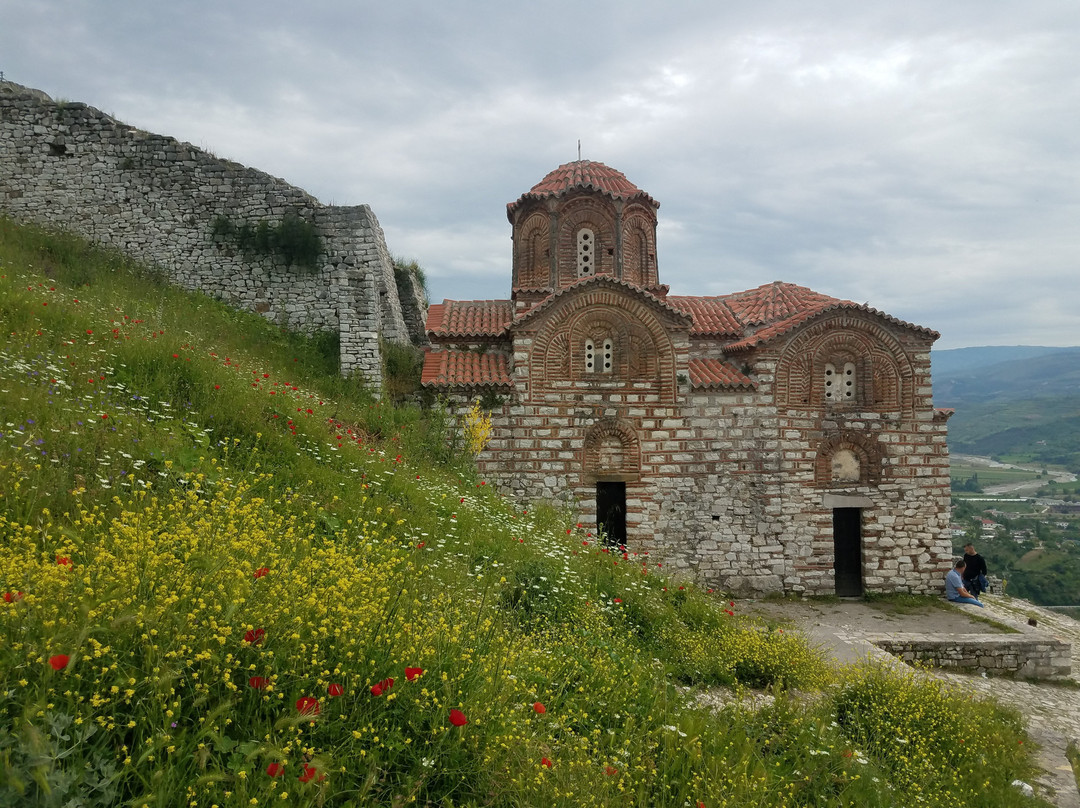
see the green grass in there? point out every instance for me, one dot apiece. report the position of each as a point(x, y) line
point(216, 554)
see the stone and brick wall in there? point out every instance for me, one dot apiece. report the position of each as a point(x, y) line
point(71, 166)
point(724, 485)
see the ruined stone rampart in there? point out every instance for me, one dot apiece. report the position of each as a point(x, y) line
point(71, 166)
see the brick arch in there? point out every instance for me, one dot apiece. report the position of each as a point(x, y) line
point(866, 449)
point(578, 213)
point(532, 259)
point(611, 449)
point(643, 349)
point(639, 249)
point(884, 374)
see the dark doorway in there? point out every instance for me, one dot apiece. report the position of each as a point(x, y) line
point(611, 512)
point(847, 551)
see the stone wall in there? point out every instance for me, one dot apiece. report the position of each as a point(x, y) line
point(1028, 657)
point(1031, 651)
point(716, 498)
point(726, 485)
point(71, 166)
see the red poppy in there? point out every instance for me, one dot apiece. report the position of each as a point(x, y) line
point(63, 561)
point(308, 774)
point(308, 705)
point(610, 771)
point(258, 682)
point(261, 571)
point(413, 673)
point(539, 708)
point(335, 690)
point(618, 600)
point(701, 804)
point(382, 687)
point(59, 661)
point(275, 769)
point(546, 762)
point(255, 636)
point(11, 597)
point(457, 718)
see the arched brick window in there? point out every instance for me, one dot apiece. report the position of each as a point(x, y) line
point(586, 252)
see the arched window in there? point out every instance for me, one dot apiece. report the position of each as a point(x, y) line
point(840, 383)
point(586, 252)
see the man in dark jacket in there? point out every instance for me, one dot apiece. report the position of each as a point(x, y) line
point(974, 572)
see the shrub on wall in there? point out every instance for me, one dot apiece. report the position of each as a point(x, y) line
point(295, 239)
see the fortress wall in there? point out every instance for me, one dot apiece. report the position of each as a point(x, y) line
point(72, 166)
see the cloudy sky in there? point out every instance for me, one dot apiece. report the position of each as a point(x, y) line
point(920, 156)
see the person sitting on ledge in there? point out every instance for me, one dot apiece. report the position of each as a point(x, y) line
point(954, 585)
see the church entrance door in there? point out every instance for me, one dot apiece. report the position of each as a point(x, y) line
point(847, 551)
point(611, 512)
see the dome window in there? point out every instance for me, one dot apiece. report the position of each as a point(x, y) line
point(586, 252)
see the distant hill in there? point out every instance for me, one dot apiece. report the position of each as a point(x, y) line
point(958, 360)
point(1021, 401)
point(966, 376)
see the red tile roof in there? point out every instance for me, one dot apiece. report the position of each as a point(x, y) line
point(744, 320)
point(465, 369)
point(712, 316)
point(776, 301)
point(469, 318)
point(757, 315)
point(717, 373)
point(588, 175)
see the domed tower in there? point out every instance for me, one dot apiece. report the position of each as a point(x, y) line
point(582, 219)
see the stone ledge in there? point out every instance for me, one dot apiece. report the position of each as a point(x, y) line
point(1029, 653)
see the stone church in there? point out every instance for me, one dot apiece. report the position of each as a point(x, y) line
point(772, 440)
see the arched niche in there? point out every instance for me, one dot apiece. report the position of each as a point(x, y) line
point(611, 451)
point(848, 460)
point(532, 250)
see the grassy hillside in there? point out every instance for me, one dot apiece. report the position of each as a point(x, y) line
point(230, 577)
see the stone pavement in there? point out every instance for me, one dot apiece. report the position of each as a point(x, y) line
point(1052, 711)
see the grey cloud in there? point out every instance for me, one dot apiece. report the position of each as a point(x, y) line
point(917, 156)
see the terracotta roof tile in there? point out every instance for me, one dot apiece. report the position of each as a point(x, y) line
point(757, 315)
point(717, 373)
point(465, 369)
point(776, 301)
point(469, 318)
point(712, 316)
point(587, 175)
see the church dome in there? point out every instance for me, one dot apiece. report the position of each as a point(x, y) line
point(585, 175)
